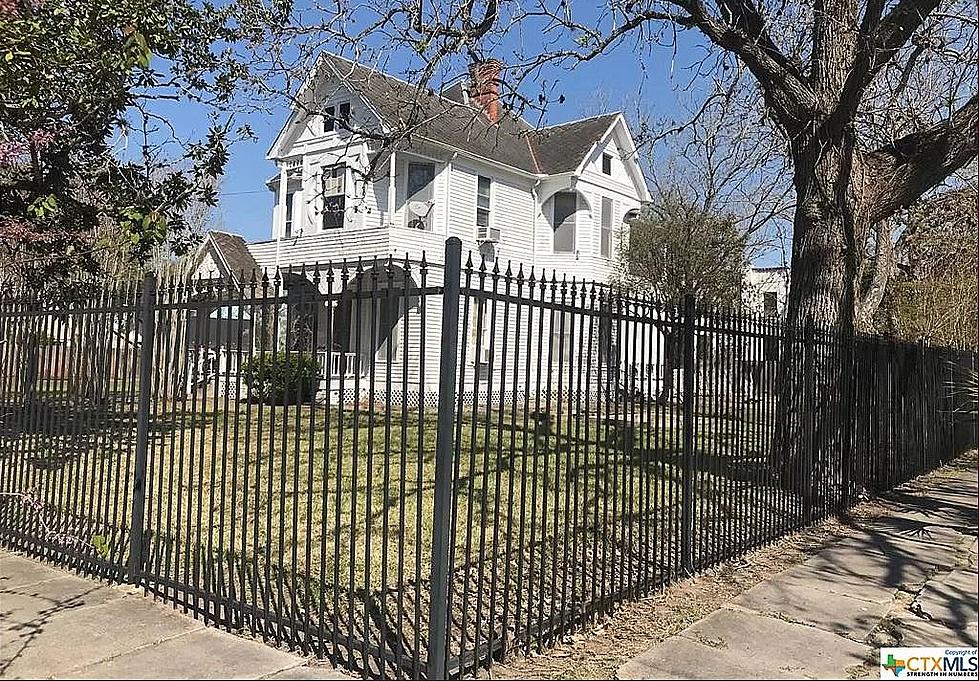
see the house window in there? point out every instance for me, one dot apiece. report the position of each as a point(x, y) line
point(565, 207)
point(483, 230)
point(288, 230)
point(478, 335)
point(334, 190)
point(420, 191)
point(607, 164)
point(606, 245)
point(329, 119)
point(770, 303)
point(562, 337)
point(344, 111)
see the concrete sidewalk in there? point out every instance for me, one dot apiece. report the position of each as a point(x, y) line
point(55, 624)
point(907, 578)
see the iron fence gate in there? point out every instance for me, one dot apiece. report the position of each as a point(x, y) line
point(413, 469)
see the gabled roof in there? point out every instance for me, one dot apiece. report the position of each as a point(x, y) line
point(561, 148)
point(448, 118)
point(230, 252)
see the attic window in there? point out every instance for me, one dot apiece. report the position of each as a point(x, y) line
point(332, 114)
point(607, 164)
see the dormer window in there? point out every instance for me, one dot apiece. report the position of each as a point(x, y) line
point(607, 164)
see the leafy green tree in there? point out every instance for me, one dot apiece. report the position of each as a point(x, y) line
point(89, 161)
point(678, 248)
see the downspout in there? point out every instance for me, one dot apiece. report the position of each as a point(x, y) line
point(538, 211)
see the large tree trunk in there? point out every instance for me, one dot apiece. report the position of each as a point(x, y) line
point(813, 370)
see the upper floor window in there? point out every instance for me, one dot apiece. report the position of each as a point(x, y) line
point(607, 164)
point(483, 230)
point(334, 114)
point(420, 192)
point(289, 199)
point(565, 207)
point(334, 195)
point(607, 210)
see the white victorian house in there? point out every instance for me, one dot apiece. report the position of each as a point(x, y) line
point(553, 199)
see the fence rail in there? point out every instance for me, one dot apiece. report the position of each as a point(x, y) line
point(413, 471)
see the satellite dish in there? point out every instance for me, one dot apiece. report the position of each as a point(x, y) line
point(420, 208)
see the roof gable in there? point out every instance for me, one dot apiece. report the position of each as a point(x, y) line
point(229, 252)
point(448, 119)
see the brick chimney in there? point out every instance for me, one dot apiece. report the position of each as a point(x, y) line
point(484, 87)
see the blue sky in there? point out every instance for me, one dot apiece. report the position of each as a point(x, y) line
point(619, 78)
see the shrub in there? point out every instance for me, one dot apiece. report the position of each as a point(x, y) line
point(276, 377)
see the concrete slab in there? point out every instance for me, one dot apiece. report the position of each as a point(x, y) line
point(838, 583)
point(914, 631)
point(835, 613)
point(76, 638)
point(950, 600)
point(681, 658)
point(855, 560)
point(202, 653)
point(776, 646)
point(16, 571)
point(32, 604)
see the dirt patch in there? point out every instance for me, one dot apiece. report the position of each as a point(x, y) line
point(636, 626)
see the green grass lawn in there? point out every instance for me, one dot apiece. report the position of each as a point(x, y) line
point(293, 509)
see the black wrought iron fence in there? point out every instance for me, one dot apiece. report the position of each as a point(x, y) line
point(415, 469)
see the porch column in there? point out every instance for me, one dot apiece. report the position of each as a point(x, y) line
point(280, 219)
point(392, 193)
point(303, 214)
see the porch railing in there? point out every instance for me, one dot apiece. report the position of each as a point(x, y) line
point(222, 365)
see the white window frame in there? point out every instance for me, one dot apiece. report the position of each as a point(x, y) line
point(342, 193)
point(574, 222)
point(290, 214)
point(490, 233)
point(605, 235)
point(430, 218)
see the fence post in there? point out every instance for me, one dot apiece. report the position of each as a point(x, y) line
point(686, 538)
point(147, 328)
point(444, 453)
